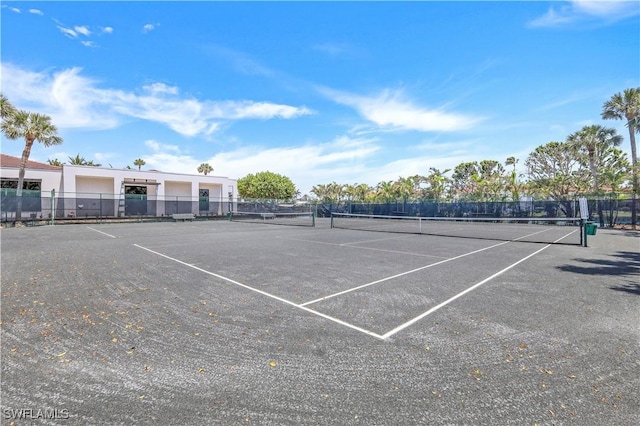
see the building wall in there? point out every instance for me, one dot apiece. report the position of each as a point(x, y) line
point(109, 183)
point(94, 185)
point(51, 179)
point(177, 189)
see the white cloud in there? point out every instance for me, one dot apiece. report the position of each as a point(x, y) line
point(76, 101)
point(67, 31)
point(15, 10)
point(107, 30)
point(157, 88)
point(390, 110)
point(262, 110)
point(88, 43)
point(306, 165)
point(36, 12)
point(160, 147)
point(148, 28)
point(81, 29)
point(587, 10)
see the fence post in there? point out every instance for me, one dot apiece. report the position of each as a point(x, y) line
point(53, 206)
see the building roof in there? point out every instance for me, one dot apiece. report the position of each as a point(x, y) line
point(11, 161)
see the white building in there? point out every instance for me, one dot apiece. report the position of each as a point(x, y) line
point(90, 191)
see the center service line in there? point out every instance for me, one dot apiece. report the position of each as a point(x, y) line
point(401, 274)
point(446, 302)
point(330, 318)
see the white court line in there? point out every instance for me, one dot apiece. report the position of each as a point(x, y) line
point(330, 318)
point(380, 239)
point(446, 302)
point(104, 233)
point(422, 268)
point(402, 274)
point(362, 248)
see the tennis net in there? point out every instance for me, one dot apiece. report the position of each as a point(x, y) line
point(275, 218)
point(536, 230)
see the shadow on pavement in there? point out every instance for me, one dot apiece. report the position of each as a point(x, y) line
point(623, 264)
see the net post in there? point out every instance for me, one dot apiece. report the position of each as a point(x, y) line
point(583, 232)
point(313, 220)
point(331, 220)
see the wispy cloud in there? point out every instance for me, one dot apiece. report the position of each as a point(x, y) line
point(332, 49)
point(77, 101)
point(305, 164)
point(392, 110)
point(36, 12)
point(239, 61)
point(68, 32)
point(587, 11)
point(81, 29)
point(81, 33)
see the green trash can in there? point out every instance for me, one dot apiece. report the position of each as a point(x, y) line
point(590, 228)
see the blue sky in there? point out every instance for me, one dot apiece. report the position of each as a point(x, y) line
point(352, 92)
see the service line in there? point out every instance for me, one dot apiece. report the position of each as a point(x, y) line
point(264, 293)
point(403, 274)
point(446, 302)
point(350, 245)
point(103, 233)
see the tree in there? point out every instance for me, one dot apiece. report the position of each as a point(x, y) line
point(140, 162)
point(613, 171)
point(386, 191)
point(55, 162)
point(266, 185)
point(32, 127)
point(626, 106)
point(554, 171)
point(512, 184)
point(205, 168)
point(81, 161)
point(438, 182)
point(321, 191)
point(6, 108)
point(592, 142)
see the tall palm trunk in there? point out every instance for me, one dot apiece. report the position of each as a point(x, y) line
point(634, 174)
point(23, 166)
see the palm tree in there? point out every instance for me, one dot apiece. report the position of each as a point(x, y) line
point(77, 160)
point(55, 162)
point(595, 140)
point(139, 162)
point(626, 106)
point(205, 168)
point(32, 127)
point(6, 108)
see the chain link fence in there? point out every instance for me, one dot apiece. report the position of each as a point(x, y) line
point(609, 210)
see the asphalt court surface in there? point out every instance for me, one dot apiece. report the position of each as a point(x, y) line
point(216, 322)
point(374, 281)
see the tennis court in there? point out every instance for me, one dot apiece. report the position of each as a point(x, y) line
point(226, 322)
